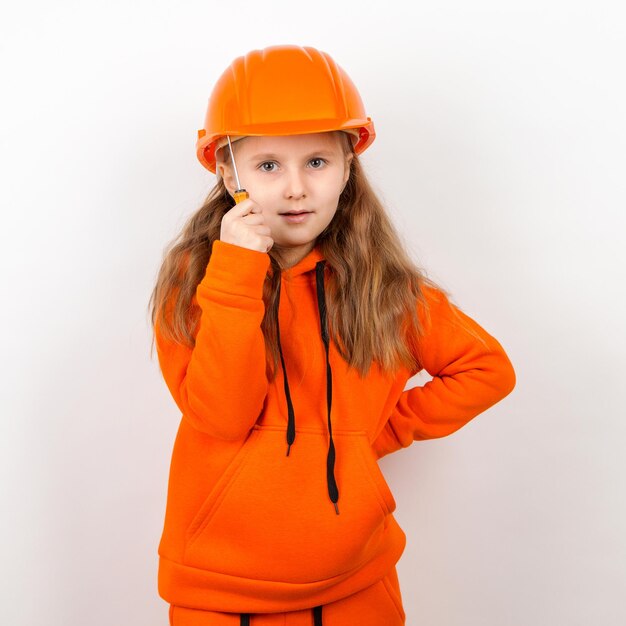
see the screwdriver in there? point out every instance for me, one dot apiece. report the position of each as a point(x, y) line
point(240, 194)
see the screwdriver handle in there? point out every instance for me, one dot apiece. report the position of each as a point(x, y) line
point(240, 195)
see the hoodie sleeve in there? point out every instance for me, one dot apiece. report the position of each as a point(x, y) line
point(220, 385)
point(470, 371)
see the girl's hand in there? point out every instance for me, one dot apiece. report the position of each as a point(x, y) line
point(244, 226)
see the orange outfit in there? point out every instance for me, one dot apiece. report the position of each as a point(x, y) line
point(276, 502)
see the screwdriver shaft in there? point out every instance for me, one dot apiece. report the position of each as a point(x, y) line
point(240, 194)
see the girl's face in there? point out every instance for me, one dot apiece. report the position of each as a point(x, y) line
point(292, 173)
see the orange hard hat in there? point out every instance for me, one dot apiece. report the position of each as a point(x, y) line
point(282, 90)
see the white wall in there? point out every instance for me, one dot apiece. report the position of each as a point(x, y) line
point(500, 155)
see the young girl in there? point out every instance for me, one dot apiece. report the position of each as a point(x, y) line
point(287, 326)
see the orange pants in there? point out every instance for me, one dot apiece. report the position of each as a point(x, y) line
point(378, 605)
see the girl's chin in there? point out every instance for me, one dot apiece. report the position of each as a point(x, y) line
point(289, 245)
point(294, 242)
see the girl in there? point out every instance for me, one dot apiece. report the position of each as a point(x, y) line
point(287, 325)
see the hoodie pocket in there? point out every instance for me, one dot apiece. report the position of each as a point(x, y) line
point(220, 488)
point(378, 479)
point(269, 517)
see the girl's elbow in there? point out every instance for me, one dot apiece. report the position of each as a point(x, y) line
point(232, 424)
point(222, 428)
point(507, 378)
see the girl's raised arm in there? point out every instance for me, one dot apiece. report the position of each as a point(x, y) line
point(470, 371)
point(220, 385)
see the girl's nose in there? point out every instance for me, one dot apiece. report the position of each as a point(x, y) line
point(294, 185)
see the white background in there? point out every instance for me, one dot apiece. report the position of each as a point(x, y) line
point(500, 156)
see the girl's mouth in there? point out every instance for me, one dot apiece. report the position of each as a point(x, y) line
point(296, 218)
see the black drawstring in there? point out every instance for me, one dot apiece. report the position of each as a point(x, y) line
point(317, 617)
point(333, 491)
point(291, 423)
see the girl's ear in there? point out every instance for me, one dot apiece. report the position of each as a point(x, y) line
point(223, 172)
point(349, 158)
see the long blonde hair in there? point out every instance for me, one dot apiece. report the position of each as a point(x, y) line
point(373, 289)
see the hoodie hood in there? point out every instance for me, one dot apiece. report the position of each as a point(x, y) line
point(296, 272)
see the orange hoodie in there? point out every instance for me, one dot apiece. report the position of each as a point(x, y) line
point(276, 501)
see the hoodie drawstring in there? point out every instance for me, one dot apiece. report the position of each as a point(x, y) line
point(317, 617)
point(333, 491)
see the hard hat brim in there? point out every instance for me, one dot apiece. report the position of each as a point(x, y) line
point(207, 145)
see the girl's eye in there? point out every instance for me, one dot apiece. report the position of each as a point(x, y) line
point(266, 163)
point(317, 159)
